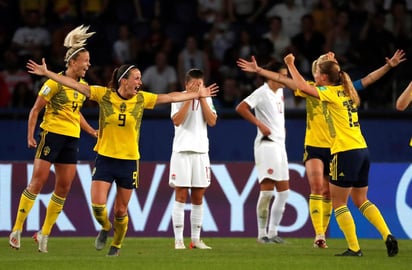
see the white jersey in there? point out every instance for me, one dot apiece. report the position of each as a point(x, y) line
point(269, 108)
point(191, 135)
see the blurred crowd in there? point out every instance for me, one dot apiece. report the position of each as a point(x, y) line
point(166, 38)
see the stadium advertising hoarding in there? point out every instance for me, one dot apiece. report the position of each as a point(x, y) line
point(229, 203)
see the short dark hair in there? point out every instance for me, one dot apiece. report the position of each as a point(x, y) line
point(194, 73)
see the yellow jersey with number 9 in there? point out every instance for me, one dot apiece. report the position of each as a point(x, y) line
point(119, 122)
point(343, 118)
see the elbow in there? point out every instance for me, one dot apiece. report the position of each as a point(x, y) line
point(400, 107)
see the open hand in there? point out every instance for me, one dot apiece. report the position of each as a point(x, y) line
point(248, 66)
point(397, 58)
point(37, 69)
point(209, 91)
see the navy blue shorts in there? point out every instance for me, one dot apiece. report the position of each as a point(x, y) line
point(321, 153)
point(350, 168)
point(56, 148)
point(124, 172)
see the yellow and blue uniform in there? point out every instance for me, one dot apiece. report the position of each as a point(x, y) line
point(119, 131)
point(60, 128)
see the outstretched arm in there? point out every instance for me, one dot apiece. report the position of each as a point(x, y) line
point(252, 66)
point(42, 70)
point(397, 58)
point(405, 98)
point(209, 91)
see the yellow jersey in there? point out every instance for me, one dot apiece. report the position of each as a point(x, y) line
point(343, 119)
point(319, 130)
point(119, 122)
point(62, 112)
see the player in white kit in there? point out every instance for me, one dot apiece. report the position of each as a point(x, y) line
point(270, 154)
point(189, 163)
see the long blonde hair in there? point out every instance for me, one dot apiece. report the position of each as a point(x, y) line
point(75, 41)
point(337, 76)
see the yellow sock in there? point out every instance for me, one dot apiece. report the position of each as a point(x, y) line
point(54, 209)
point(120, 229)
point(100, 214)
point(327, 212)
point(372, 213)
point(27, 200)
point(316, 213)
point(347, 225)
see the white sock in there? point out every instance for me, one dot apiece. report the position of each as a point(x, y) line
point(276, 212)
point(196, 220)
point(178, 219)
point(262, 210)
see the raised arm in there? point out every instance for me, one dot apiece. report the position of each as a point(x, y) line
point(397, 58)
point(300, 82)
point(405, 98)
point(252, 66)
point(42, 70)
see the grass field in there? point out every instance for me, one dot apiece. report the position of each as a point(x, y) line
point(228, 253)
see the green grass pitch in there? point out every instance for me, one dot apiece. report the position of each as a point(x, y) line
point(227, 253)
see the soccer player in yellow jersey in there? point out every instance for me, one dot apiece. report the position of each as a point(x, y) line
point(121, 109)
point(318, 139)
point(350, 156)
point(58, 145)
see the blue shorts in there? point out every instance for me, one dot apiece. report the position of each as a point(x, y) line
point(124, 172)
point(350, 168)
point(57, 148)
point(322, 153)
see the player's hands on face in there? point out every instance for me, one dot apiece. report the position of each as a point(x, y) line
point(34, 68)
point(193, 86)
point(209, 91)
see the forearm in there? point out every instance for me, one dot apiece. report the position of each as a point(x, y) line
point(243, 110)
point(31, 123)
point(69, 82)
point(179, 117)
point(375, 75)
point(176, 97)
point(300, 82)
point(275, 76)
point(208, 114)
point(405, 98)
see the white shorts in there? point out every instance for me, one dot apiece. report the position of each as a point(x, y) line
point(271, 161)
point(189, 169)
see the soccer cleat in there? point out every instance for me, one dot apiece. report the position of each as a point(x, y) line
point(263, 240)
point(14, 239)
point(199, 245)
point(350, 253)
point(41, 239)
point(320, 243)
point(113, 251)
point(179, 244)
point(391, 245)
point(101, 240)
point(276, 239)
